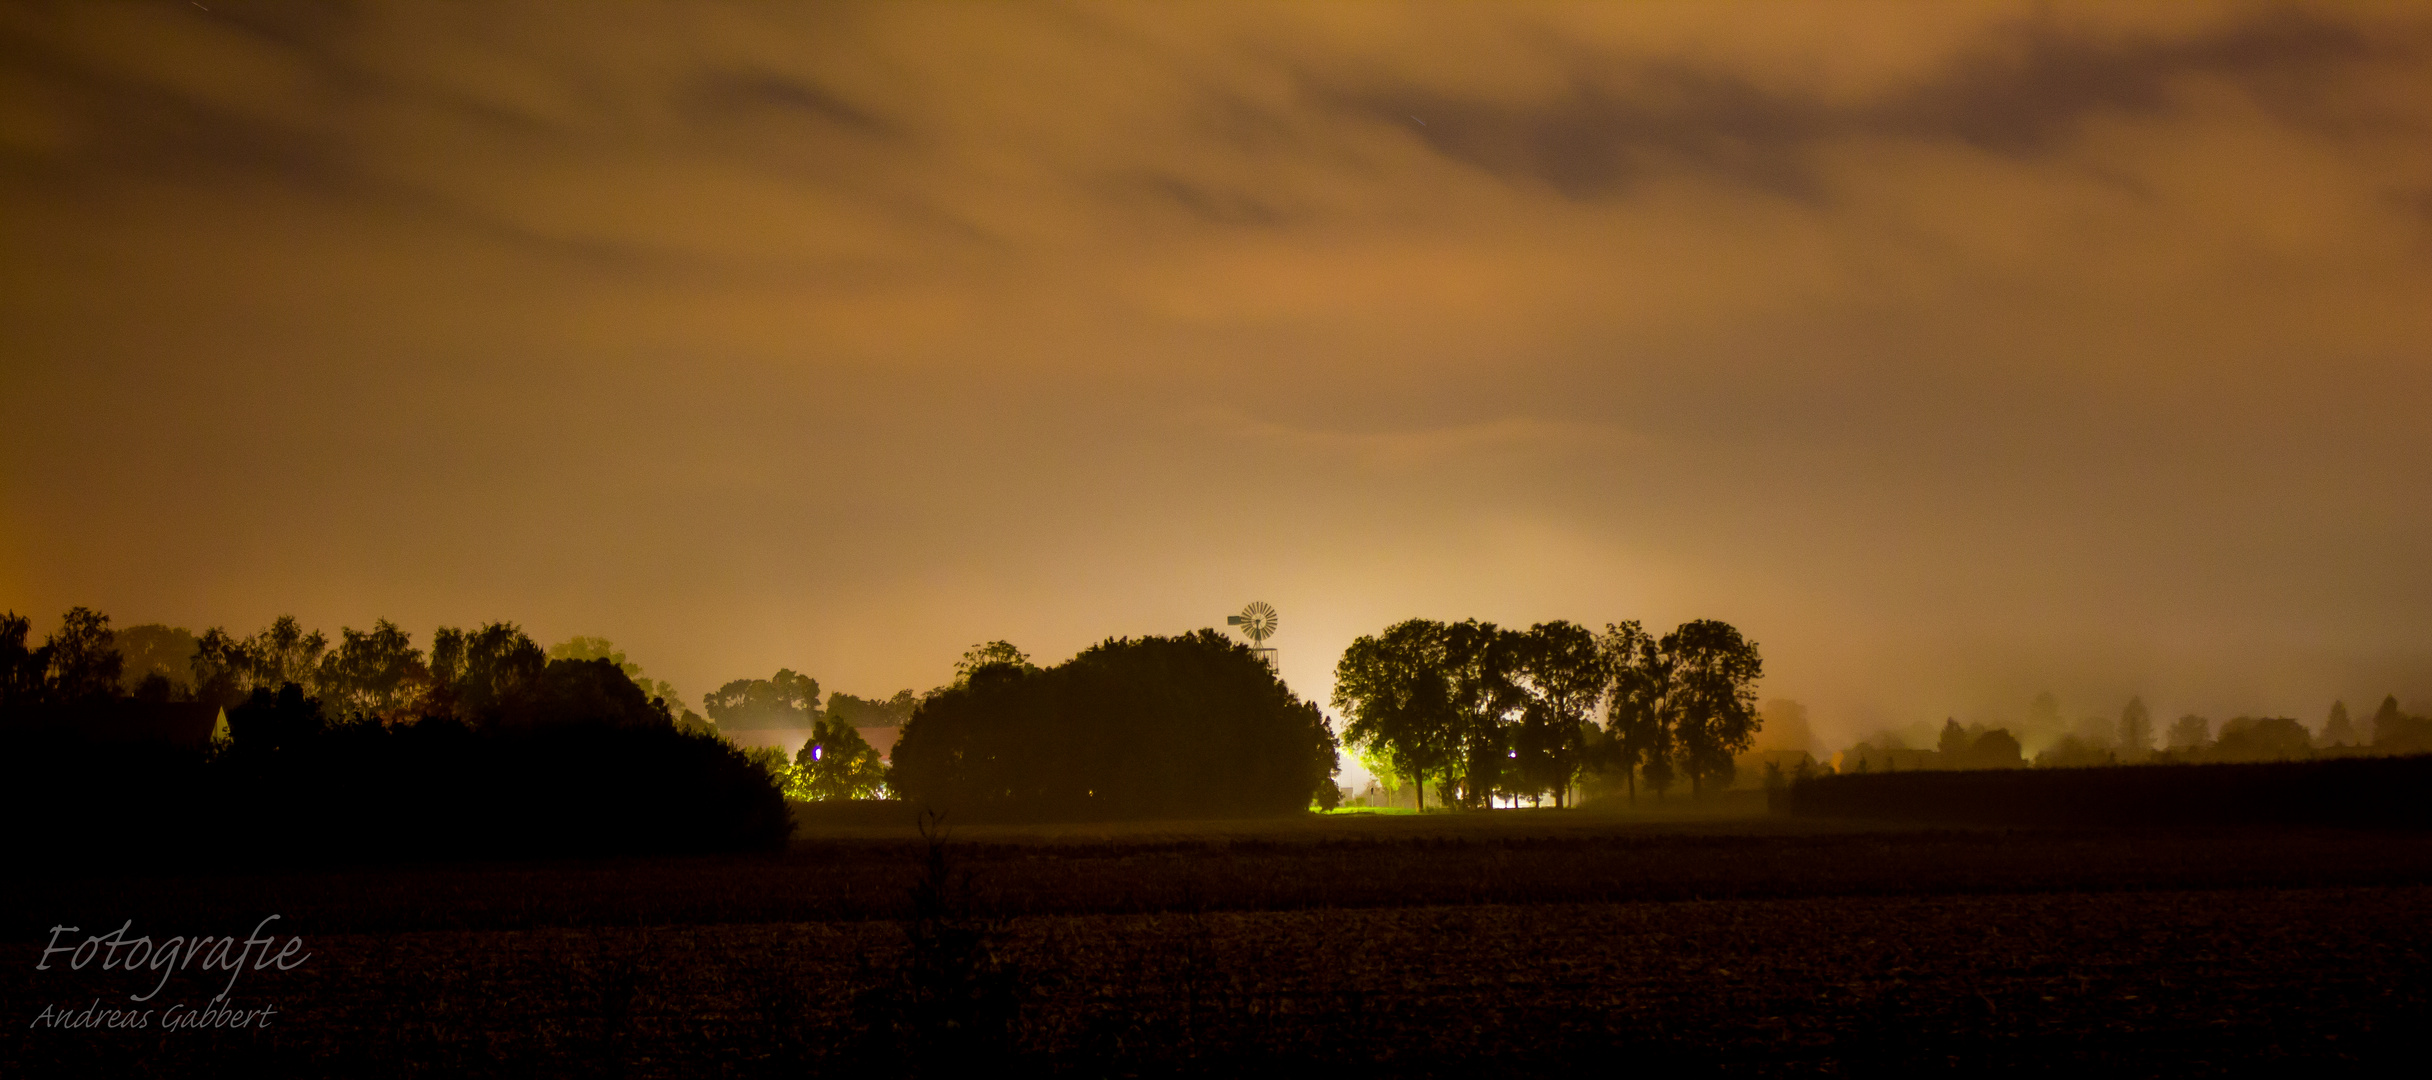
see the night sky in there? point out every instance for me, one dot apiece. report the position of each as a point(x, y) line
point(1952, 352)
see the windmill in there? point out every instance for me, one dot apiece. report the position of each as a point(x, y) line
point(1257, 622)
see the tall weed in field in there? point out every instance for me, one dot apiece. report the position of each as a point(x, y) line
point(952, 1002)
point(615, 985)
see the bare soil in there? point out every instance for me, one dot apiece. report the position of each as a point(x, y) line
point(1496, 944)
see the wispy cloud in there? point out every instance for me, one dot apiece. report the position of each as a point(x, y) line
point(1881, 324)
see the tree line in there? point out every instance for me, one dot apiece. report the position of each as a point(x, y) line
point(1480, 711)
point(1154, 726)
point(378, 674)
point(2136, 738)
point(492, 674)
point(486, 744)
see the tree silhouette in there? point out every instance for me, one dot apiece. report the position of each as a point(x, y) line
point(2339, 730)
point(2270, 738)
point(994, 652)
point(2190, 732)
point(1560, 675)
point(837, 763)
point(1785, 727)
point(1954, 744)
point(783, 700)
point(22, 669)
point(1193, 725)
point(1638, 708)
point(872, 712)
point(1996, 749)
point(284, 652)
point(1478, 663)
point(588, 692)
point(2387, 720)
point(373, 674)
point(2043, 715)
point(84, 660)
point(2136, 728)
point(223, 669)
point(1394, 690)
point(155, 650)
point(2396, 732)
point(474, 675)
point(573, 758)
point(1713, 699)
point(600, 648)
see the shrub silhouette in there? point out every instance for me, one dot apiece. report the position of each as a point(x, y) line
point(1187, 726)
point(2272, 738)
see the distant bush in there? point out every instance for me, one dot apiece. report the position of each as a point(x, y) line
point(2072, 752)
point(1995, 749)
point(2396, 732)
point(2272, 738)
point(2358, 791)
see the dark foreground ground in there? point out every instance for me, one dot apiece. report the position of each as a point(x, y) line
point(1498, 944)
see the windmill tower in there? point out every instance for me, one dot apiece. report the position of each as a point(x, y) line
point(1257, 622)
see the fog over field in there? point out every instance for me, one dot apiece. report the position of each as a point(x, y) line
point(1953, 354)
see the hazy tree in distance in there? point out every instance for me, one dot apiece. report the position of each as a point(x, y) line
point(155, 688)
point(1393, 689)
point(600, 648)
point(155, 650)
point(2190, 732)
point(1560, 675)
point(2266, 738)
point(2398, 733)
point(1785, 727)
point(1953, 745)
point(1713, 697)
point(284, 652)
point(84, 658)
point(21, 668)
point(1995, 749)
point(2386, 719)
point(1638, 735)
point(994, 652)
point(373, 674)
point(863, 712)
point(2339, 730)
point(591, 693)
point(223, 669)
point(473, 675)
point(2136, 728)
point(447, 671)
point(783, 700)
point(2044, 718)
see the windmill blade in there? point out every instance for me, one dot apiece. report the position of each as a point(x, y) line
point(1256, 621)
